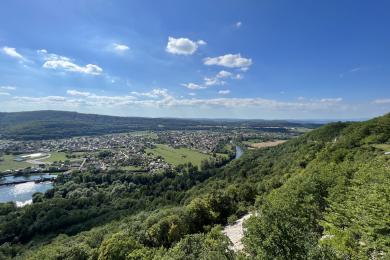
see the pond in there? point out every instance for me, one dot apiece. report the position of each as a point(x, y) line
point(22, 193)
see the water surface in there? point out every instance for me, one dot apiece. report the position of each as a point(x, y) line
point(239, 152)
point(22, 193)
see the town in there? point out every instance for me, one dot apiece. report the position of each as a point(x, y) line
point(134, 151)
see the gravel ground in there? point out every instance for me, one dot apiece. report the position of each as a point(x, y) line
point(235, 233)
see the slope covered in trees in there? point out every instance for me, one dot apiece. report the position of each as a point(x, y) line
point(324, 195)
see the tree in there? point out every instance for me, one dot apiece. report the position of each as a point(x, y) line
point(117, 247)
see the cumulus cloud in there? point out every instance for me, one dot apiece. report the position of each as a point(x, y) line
point(193, 86)
point(183, 46)
point(67, 65)
point(57, 62)
point(218, 80)
point(12, 53)
point(224, 74)
point(201, 42)
point(4, 94)
point(224, 92)
point(213, 81)
point(120, 47)
point(229, 61)
point(192, 94)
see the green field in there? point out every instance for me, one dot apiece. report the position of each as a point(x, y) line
point(384, 147)
point(8, 163)
point(179, 155)
point(56, 157)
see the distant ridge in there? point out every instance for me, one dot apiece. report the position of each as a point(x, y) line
point(48, 124)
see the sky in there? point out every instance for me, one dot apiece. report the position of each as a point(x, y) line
point(271, 59)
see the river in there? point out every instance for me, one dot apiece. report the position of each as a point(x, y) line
point(239, 152)
point(22, 193)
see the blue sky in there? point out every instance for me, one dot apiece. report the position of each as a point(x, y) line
point(225, 59)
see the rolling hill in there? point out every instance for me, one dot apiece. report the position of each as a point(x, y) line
point(59, 124)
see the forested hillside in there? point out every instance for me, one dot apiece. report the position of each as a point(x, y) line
point(323, 195)
point(38, 125)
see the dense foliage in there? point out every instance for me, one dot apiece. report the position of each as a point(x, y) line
point(324, 195)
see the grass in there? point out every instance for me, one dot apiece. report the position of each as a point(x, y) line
point(8, 163)
point(384, 147)
point(179, 155)
point(56, 157)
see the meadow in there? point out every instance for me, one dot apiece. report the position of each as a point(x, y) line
point(8, 163)
point(178, 156)
point(56, 157)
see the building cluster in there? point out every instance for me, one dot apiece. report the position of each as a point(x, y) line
point(120, 151)
point(204, 141)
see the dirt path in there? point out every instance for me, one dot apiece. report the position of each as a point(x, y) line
point(235, 233)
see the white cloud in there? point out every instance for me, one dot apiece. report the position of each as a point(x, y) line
point(192, 94)
point(224, 74)
point(238, 24)
point(230, 61)
point(213, 81)
point(12, 53)
point(193, 86)
point(217, 80)
point(57, 62)
point(201, 42)
point(67, 65)
point(4, 94)
point(42, 100)
point(224, 92)
point(154, 93)
point(120, 47)
point(382, 101)
point(42, 51)
point(8, 87)
point(161, 97)
point(73, 92)
point(183, 46)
